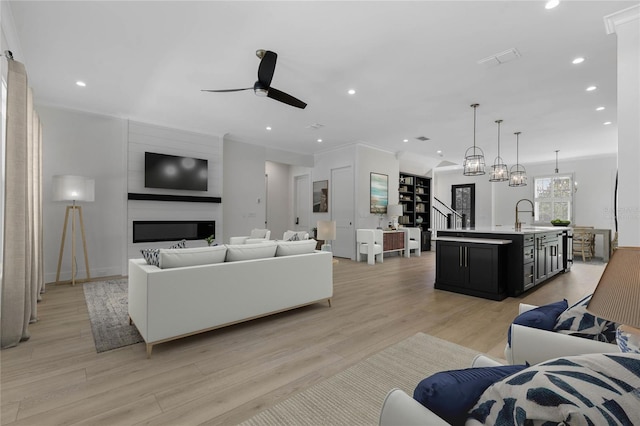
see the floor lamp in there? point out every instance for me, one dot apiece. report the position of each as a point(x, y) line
point(73, 188)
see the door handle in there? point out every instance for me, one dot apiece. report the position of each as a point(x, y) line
point(297, 221)
point(460, 255)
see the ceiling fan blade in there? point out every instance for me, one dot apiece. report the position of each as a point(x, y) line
point(267, 67)
point(285, 98)
point(227, 90)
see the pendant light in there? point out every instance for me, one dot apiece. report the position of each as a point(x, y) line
point(517, 174)
point(474, 157)
point(557, 150)
point(499, 170)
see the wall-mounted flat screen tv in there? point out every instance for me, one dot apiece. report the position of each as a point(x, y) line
point(175, 172)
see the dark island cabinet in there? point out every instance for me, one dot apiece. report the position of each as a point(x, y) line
point(471, 268)
point(530, 259)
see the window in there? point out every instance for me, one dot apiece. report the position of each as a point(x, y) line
point(553, 196)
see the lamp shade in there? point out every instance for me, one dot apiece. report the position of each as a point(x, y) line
point(73, 188)
point(394, 210)
point(327, 230)
point(617, 296)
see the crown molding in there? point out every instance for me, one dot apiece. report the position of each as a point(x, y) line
point(621, 17)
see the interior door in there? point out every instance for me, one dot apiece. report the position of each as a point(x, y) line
point(302, 204)
point(463, 200)
point(342, 207)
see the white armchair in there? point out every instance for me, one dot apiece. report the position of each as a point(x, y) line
point(369, 242)
point(257, 235)
point(532, 345)
point(412, 241)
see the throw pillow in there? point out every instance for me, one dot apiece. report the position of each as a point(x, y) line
point(151, 254)
point(542, 317)
point(552, 390)
point(451, 394)
point(576, 321)
point(294, 237)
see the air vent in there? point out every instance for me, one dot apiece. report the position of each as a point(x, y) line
point(422, 138)
point(500, 58)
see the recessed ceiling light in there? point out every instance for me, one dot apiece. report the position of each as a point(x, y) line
point(600, 108)
point(81, 83)
point(319, 140)
point(578, 60)
point(405, 140)
point(268, 127)
point(606, 123)
point(351, 92)
point(551, 4)
point(591, 88)
point(439, 152)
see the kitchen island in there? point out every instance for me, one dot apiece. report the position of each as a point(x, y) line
point(499, 261)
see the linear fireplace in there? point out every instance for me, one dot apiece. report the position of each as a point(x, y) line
point(169, 230)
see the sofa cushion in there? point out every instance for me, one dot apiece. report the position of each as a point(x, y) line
point(543, 317)
point(151, 254)
point(287, 248)
point(551, 391)
point(451, 394)
point(576, 321)
point(176, 258)
point(250, 251)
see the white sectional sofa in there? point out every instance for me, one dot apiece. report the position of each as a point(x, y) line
point(178, 301)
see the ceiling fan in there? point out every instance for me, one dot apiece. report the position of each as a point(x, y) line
point(262, 87)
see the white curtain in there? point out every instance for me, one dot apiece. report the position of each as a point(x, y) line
point(23, 275)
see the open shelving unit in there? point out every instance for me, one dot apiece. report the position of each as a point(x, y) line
point(415, 196)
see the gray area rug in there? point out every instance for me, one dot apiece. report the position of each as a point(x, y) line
point(107, 302)
point(355, 395)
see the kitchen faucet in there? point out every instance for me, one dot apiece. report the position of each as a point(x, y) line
point(518, 225)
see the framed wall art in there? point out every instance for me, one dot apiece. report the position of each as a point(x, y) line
point(321, 196)
point(379, 195)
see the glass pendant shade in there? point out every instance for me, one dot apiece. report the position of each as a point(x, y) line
point(517, 174)
point(474, 157)
point(499, 170)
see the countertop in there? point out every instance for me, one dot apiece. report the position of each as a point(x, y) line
point(475, 240)
point(510, 230)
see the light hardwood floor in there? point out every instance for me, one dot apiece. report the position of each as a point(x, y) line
point(228, 375)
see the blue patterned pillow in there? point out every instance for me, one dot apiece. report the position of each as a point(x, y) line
point(451, 394)
point(151, 254)
point(576, 321)
point(555, 390)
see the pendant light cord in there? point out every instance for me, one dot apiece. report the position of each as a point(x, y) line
point(475, 107)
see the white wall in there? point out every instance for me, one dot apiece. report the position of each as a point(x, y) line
point(79, 143)
point(441, 188)
point(278, 198)
point(151, 138)
point(377, 161)
point(244, 192)
point(627, 28)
